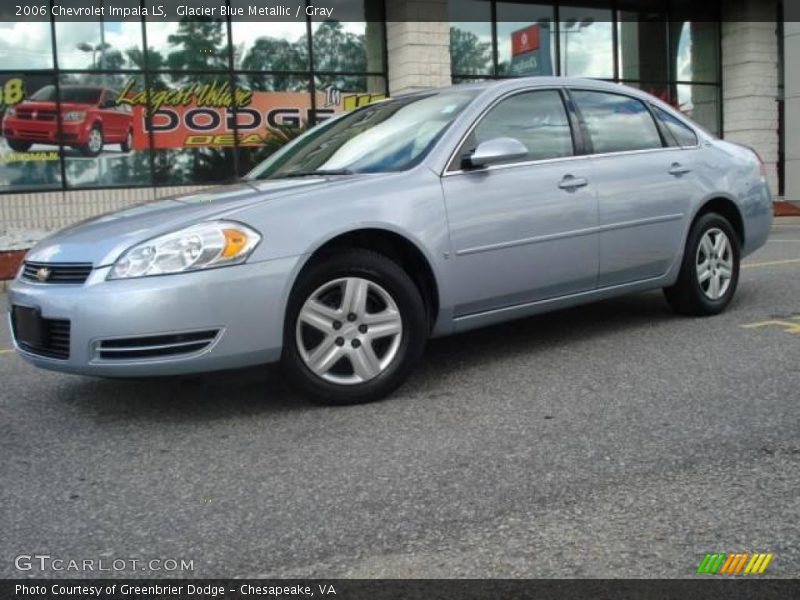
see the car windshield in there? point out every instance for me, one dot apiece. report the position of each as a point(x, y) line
point(78, 95)
point(392, 135)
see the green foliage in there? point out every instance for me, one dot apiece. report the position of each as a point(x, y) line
point(468, 54)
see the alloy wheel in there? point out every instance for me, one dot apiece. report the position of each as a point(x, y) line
point(349, 331)
point(714, 263)
point(95, 140)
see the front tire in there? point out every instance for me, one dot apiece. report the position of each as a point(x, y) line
point(710, 268)
point(19, 145)
point(94, 145)
point(355, 326)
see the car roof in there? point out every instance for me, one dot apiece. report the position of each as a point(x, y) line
point(510, 84)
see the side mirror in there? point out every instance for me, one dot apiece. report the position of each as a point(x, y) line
point(495, 151)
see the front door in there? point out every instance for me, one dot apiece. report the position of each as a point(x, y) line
point(526, 230)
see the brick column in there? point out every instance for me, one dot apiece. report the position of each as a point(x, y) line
point(750, 79)
point(419, 51)
point(791, 132)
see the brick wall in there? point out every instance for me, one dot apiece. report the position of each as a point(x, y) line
point(750, 79)
point(418, 51)
point(791, 57)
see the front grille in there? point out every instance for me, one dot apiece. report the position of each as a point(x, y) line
point(75, 273)
point(55, 342)
point(36, 115)
point(155, 346)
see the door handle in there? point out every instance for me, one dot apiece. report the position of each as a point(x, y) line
point(570, 182)
point(678, 169)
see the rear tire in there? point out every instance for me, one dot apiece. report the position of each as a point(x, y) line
point(355, 326)
point(128, 143)
point(710, 268)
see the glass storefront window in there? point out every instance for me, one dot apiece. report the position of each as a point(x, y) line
point(347, 47)
point(694, 51)
point(700, 103)
point(586, 40)
point(26, 45)
point(99, 45)
point(102, 144)
point(190, 166)
point(278, 110)
point(269, 46)
point(200, 45)
point(642, 46)
point(470, 37)
point(29, 148)
point(525, 39)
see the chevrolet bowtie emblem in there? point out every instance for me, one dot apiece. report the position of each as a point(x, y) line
point(43, 273)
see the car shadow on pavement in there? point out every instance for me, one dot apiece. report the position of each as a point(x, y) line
point(543, 333)
point(263, 390)
point(225, 394)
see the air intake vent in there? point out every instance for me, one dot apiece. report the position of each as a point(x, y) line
point(156, 346)
point(75, 273)
point(51, 337)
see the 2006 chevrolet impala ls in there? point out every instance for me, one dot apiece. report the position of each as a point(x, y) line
point(421, 215)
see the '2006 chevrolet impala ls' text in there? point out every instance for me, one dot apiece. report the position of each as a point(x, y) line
point(418, 216)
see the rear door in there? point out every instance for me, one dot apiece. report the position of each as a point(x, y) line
point(644, 186)
point(525, 230)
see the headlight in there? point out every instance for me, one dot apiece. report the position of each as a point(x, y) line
point(11, 111)
point(202, 246)
point(74, 115)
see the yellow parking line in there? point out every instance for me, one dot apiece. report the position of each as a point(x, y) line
point(771, 263)
point(787, 326)
point(6, 350)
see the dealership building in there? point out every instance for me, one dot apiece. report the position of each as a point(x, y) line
point(105, 114)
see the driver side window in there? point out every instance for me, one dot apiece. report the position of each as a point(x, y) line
point(537, 119)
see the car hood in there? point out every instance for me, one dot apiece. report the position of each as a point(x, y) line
point(102, 239)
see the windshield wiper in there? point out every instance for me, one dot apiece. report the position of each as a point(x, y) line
point(319, 172)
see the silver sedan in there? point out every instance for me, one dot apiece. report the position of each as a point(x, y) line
point(422, 215)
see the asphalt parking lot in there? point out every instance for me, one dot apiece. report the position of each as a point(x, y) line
point(613, 440)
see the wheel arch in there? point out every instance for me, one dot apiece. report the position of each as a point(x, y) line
point(726, 207)
point(393, 245)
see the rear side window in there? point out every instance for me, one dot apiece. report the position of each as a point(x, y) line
point(537, 119)
point(682, 133)
point(617, 123)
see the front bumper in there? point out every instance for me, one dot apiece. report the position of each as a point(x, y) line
point(246, 303)
point(46, 132)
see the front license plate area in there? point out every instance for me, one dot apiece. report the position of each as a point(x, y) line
point(28, 326)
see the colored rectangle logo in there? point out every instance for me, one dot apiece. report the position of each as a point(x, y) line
point(734, 563)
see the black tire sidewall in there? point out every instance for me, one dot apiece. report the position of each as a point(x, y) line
point(703, 224)
point(391, 277)
point(19, 145)
point(86, 150)
point(125, 146)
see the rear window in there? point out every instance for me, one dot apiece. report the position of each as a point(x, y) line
point(617, 123)
point(682, 133)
